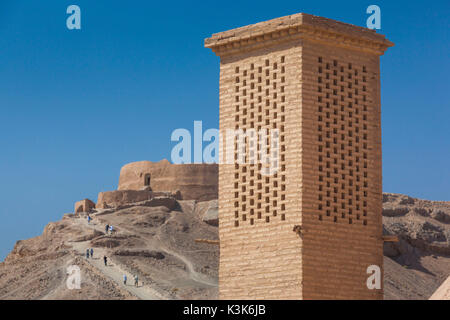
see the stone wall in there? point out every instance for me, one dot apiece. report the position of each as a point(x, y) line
point(260, 256)
point(193, 181)
point(85, 205)
point(341, 172)
point(117, 198)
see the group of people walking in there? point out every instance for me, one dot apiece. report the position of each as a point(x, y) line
point(89, 253)
point(109, 229)
point(136, 280)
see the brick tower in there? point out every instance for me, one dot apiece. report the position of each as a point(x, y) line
point(317, 81)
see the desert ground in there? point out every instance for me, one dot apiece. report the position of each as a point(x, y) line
point(157, 243)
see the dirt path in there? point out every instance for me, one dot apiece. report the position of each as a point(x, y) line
point(158, 243)
point(113, 270)
point(194, 275)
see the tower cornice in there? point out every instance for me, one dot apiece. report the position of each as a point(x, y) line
point(296, 27)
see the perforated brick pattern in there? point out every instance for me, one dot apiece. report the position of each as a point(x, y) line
point(260, 256)
point(260, 104)
point(342, 141)
point(341, 172)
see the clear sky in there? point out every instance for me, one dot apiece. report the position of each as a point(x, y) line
point(76, 105)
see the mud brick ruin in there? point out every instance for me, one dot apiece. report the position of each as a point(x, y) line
point(311, 230)
point(146, 180)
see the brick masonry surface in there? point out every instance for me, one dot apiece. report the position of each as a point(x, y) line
point(317, 82)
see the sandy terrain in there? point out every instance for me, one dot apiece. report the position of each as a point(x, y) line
point(158, 244)
point(155, 243)
point(418, 264)
point(443, 292)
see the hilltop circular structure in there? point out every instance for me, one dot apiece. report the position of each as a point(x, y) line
point(193, 181)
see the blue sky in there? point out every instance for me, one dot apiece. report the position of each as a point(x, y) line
point(77, 105)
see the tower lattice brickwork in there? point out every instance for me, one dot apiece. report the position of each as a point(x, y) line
point(316, 81)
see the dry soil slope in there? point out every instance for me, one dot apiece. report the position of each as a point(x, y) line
point(159, 245)
point(443, 292)
point(154, 242)
point(420, 262)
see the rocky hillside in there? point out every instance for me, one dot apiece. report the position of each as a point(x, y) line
point(156, 241)
point(417, 264)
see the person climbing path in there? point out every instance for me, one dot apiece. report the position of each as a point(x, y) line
point(87, 253)
point(89, 219)
point(125, 279)
point(136, 280)
point(115, 271)
point(92, 252)
point(107, 228)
